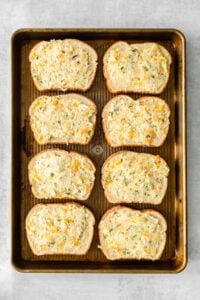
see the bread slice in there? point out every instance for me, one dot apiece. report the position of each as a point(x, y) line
point(67, 119)
point(144, 122)
point(60, 229)
point(62, 175)
point(127, 233)
point(63, 65)
point(138, 68)
point(132, 177)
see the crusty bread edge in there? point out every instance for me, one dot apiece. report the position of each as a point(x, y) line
point(114, 201)
point(113, 91)
point(152, 212)
point(84, 98)
point(39, 88)
point(91, 232)
point(141, 99)
point(31, 162)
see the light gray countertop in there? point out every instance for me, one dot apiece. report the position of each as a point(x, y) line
point(183, 15)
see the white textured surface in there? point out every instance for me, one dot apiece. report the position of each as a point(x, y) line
point(184, 15)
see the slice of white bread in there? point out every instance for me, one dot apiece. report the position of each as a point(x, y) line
point(63, 65)
point(138, 68)
point(142, 122)
point(68, 119)
point(131, 177)
point(127, 233)
point(62, 175)
point(60, 229)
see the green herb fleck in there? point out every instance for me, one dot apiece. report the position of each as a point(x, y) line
point(116, 109)
point(126, 182)
point(132, 173)
point(67, 192)
point(90, 118)
point(126, 251)
point(145, 68)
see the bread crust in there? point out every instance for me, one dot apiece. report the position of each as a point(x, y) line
point(91, 233)
point(152, 212)
point(133, 90)
point(31, 162)
point(41, 89)
point(141, 99)
point(116, 201)
point(61, 141)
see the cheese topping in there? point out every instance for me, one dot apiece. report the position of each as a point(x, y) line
point(69, 118)
point(128, 233)
point(139, 67)
point(59, 174)
point(142, 122)
point(135, 177)
point(63, 64)
point(59, 228)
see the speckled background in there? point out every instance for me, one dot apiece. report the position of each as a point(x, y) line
point(183, 15)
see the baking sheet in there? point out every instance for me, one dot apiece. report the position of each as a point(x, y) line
point(24, 147)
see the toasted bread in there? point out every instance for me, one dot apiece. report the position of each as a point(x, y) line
point(66, 119)
point(63, 65)
point(131, 177)
point(127, 233)
point(141, 122)
point(60, 229)
point(62, 175)
point(138, 68)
